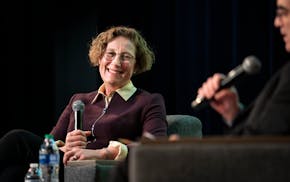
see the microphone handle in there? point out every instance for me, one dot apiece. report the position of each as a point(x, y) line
point(78, 120)
point(200, 103)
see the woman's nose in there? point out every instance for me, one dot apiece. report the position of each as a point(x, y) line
point(117, 60)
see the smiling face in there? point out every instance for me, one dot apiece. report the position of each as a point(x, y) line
point(117, 65)
point(282, 21)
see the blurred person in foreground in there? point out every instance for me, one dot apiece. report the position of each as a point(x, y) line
point(269, 113)
point(116, 110)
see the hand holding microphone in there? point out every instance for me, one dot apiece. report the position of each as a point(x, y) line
point(76, 138)
point(251, 65)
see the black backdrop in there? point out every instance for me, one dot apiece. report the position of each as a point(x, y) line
point(45, 44)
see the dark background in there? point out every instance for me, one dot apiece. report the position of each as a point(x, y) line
point(44, 47)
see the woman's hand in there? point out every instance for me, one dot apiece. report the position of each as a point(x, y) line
point(75, 139)
point(108, 153)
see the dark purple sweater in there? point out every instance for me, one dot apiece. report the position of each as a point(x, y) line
point(122, 119)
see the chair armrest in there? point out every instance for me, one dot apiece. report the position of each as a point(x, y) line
point(88, 170)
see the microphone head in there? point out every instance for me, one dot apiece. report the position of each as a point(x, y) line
point(251, 65)
point(78, 105)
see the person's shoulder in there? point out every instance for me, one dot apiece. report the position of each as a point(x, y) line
point(86, 97)
point(147, 95)
point(149, 98)
point(285, 69)
point(287, 65)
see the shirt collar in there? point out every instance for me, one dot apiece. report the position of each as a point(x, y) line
point(125, 92)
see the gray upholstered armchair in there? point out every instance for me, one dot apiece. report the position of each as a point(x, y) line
point(98, 170)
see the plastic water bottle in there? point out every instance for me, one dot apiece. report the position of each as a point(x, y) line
point(49, 160)
point(32, 174)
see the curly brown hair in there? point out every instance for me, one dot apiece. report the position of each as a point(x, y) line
point(144, 54)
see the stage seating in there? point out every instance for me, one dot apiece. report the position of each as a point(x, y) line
point(99, 170)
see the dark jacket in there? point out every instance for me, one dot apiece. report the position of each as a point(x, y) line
point(270, 112)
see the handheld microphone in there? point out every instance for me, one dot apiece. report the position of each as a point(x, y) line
point(251, 65)
point(78, 108)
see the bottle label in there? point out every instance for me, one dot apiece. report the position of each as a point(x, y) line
point(43, 158)
point(51, 159)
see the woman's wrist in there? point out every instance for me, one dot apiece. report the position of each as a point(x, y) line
point(107, 155)
point(122, 150)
